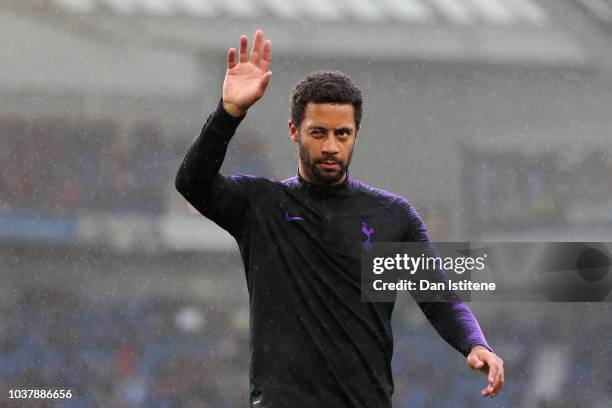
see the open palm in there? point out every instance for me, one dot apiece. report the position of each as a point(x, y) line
point(246, 79)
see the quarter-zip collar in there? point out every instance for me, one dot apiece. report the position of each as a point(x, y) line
point(324, 190)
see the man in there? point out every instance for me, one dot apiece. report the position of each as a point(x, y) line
point(314, 343)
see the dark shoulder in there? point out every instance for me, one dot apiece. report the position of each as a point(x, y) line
point(398, 205)
point(253, 184)
point(258, 185)
point(262, 186)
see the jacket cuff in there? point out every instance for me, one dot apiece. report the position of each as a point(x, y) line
point(223, 118)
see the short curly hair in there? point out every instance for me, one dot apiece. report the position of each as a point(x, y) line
point(325, 87)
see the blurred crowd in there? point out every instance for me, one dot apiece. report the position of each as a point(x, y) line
point(68, 167)
point(56, 166)
point(513, 190)
point(167, 353)
point(157, 353)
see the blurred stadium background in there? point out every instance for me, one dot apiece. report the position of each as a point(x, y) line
point(493, 117)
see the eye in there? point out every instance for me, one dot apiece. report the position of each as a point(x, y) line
point(317, 133)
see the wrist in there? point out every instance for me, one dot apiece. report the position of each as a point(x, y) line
point(233, 109)
point(480, 347)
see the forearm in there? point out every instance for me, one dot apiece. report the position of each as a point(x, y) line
point(451, 318)
point(456, 324)
point(206, 153)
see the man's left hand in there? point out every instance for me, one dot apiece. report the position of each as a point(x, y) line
point(488, 363)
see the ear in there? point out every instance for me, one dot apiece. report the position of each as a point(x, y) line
point(356, 134)
point(293, 131)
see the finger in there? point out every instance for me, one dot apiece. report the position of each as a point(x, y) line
point(486, 391)
point(256, 49)
point(267, 56)
point(499, 379)
point(244, 56)
point(493, 369)
point(231, 58)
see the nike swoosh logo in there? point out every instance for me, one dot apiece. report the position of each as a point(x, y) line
point(289, 218)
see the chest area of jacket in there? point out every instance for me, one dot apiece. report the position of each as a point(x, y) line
point(349, 224)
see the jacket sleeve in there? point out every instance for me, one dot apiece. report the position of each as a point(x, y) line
point(223, 199)
point(451, 317)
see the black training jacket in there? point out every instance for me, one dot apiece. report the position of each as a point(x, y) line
point(314, 343)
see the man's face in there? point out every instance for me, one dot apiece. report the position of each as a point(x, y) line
point(325, 140)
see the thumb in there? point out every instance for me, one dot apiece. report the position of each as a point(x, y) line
point(266, 80)
point(475, 363)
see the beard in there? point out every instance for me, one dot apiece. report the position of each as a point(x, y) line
point(323, 176)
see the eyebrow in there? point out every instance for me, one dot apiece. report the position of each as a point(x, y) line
point(346, 129)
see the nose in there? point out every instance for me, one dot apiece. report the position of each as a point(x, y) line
point(330, 146)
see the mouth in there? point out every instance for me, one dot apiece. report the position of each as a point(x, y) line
point(329, 165)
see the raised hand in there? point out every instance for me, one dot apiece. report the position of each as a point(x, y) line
point(246, 80)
